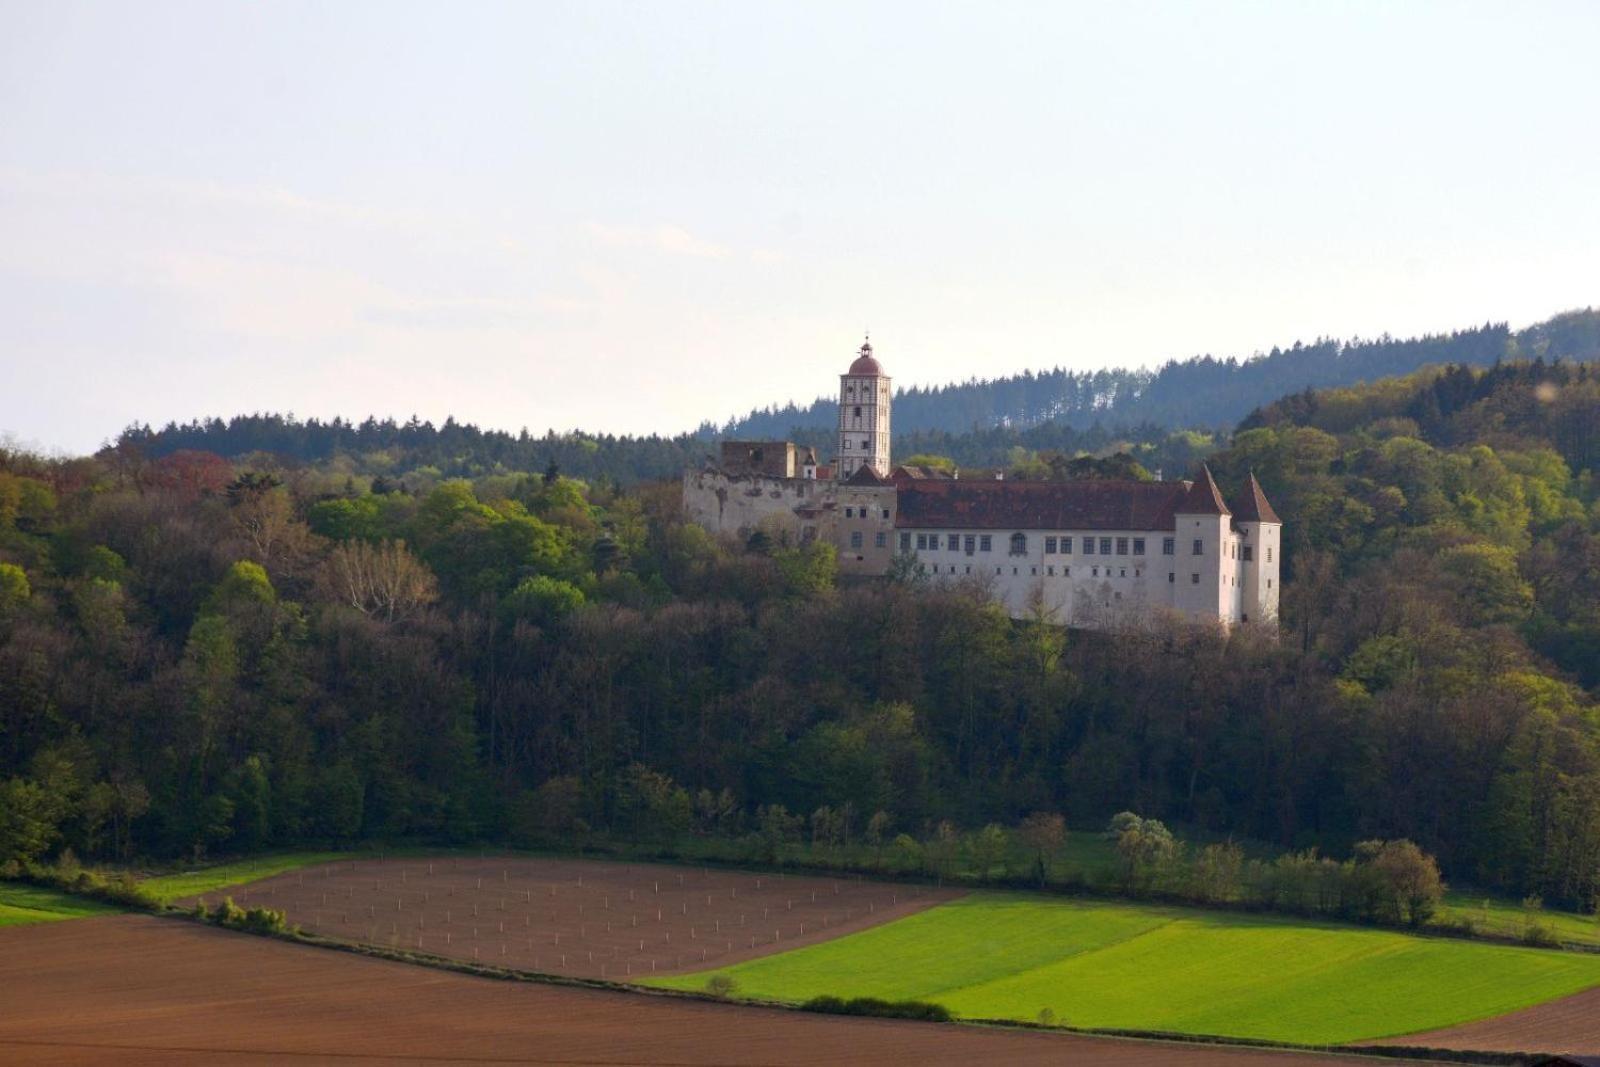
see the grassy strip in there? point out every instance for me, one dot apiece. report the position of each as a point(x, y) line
point(23, 903)
point(180, 885)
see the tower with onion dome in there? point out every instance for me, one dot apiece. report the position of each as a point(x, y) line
point(864, 393)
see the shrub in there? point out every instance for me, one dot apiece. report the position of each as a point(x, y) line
point(890, 1009)
point(720, 985)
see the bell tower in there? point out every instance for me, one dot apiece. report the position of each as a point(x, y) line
point(864, 395)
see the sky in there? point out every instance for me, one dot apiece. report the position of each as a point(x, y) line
point(629, 218)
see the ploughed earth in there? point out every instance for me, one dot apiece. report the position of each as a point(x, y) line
point(135, 989)
point(582, 918)
point(1568, 1025)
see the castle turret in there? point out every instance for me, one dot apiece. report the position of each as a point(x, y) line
point(1260, 537)
point(863, 416)
point(1206, 575)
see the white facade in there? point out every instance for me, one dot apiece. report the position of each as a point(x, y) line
point(1201, 564)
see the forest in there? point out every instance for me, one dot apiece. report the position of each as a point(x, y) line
point(206, 654)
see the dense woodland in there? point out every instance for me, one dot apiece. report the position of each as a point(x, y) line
point(199, 653)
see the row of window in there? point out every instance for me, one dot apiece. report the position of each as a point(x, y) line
point(862, 513)
point(879, 539)
point(1049, 570)
point(1061, 545)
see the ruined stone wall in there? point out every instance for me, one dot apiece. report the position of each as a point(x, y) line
point(736, 505)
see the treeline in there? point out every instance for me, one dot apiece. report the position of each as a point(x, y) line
point(976, 423)
point(199, 654)
point(1202, 392)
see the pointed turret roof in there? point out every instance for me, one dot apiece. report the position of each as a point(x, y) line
point(1203, 498)
point(1254, 506)
point(865, 475)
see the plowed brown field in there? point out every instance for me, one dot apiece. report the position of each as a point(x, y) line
point(585, 918)
point(140, 990)
point(1568, 1025)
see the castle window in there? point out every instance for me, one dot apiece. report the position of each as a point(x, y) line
point(858, 411)
point(1117, 595)
point(1066, 546)
point(1033, 571)
point(880, 540)
point(1269, 553)
point(1013, 570)
point(849, 513)
point(969, 568)
point(1169, 545)
point(1194, 579)
point(1249, 554)
point(1269, 583)
point(1199, 548)
point(886, 513)
point(1245, 617)
point(847, 444)
point(985, 542)
point(1122, 546)
point(905, 542)
point(1050, 570)
point(1105, 546)
point(953, 542)
point(1138, 546)
point(971, 544)
point(922, 541)
point(1123, 573)
point(865, 444)
point(1019, 544)
point(1066, 572)
point(1171, 577)
point(855, 539)
point(1088, 546)
point(1096, 573)
point(1049, 546)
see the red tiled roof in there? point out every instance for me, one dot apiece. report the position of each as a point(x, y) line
point(1253, 506)
point(1204, 497)
point(865, 365)
point(865, 475)
point(1081, 505)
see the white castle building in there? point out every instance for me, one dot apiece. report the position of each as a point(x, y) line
point(1090, 553)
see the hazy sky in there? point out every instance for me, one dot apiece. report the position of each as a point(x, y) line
point(630, 217)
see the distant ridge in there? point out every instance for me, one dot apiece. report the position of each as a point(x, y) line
point(1200, 392)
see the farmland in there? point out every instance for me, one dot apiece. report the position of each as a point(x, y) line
point(142, 990)
point(1012, 956)
point(581, 918)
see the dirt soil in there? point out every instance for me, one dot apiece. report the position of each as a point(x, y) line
point(134, 989)
point(583, 918)
point(1569, 1025)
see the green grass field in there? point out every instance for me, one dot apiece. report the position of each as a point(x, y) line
point(1505, 918)
point(170, 887)
point(21, 904)
point(1126, 966)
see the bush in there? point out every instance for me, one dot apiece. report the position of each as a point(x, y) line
point(120, 889)
point(889, 1009)
point(720, 985)
point(250, 920)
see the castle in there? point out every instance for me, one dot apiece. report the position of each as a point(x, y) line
point(1091, 553)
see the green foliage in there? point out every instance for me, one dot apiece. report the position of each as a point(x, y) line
point(543, 600)
point(14, 587)
point(886, 1009)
